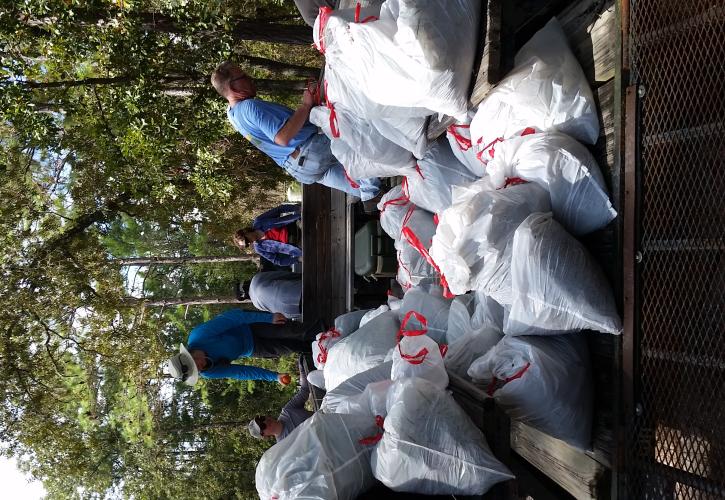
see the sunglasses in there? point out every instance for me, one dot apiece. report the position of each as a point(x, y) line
point(185, 372)
point(261, 423)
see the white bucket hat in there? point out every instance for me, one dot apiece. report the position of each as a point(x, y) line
point(254, 429)
point(182, 367)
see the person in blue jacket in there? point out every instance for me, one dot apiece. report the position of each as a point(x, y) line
point(214, 344)
point(285, 135)
point(274, 235)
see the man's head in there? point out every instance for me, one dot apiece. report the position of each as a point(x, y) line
point(264, 426)
point(232, 83)
point(244, 237)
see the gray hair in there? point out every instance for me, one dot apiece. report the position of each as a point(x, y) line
point(222, 75)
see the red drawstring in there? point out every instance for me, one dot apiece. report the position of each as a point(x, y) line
point(412, 238)
point(325, 13)
point(333, 116)
point(417, 169)
point(357, 15)
point(322, 356)
point(380, 422)
point(414, 359)
point(463, 142)
point(435, 219)
point(513, 181)
point(492, 386)
point(401, 200)
point(443, 348)
point(492, 152)
point(402, 332)
point(350, 180)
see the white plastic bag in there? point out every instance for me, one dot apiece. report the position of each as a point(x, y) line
point(473, 240)
point(344, 325)
point(566, 169)
point(417, 74)
point(363, 349)
point(459, 137)
point(439, 170)
point(431, 306)
point(418, 355)
point(393, 207)
point(469, 347)
point(459, 317)
point(546, 90)
point(430, 446)
point(370, 402)
point(544, 382)
point(487, 313)
point(317, 378)
point(354, 386)
point(373, 313)
point(322, 458)
point(556, 284)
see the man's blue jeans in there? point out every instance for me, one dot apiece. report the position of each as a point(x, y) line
point(316, 163)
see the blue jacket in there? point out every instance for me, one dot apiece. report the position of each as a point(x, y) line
point(228, 336)
point(274, 218)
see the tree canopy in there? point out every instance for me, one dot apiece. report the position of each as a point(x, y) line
point(113, 145)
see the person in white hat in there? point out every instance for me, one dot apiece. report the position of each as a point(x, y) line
point(292, 415)
point(214, 344)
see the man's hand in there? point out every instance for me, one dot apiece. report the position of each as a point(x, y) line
point(278, 319)
point(284, 378)
point(308, 98)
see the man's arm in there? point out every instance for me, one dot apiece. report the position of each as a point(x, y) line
point(241, 372)
point(271, 218)
point(295, 122)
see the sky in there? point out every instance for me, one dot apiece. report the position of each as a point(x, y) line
point(15, 484)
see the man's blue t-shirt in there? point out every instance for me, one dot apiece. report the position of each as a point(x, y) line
point(259, 121)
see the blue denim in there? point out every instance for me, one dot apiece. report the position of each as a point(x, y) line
point(319, 165)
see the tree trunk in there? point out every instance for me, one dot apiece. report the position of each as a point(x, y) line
point(280, 68)
point(182, 301)
point(174, 85)
point(208, 259)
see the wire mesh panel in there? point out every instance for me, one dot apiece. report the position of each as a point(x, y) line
point(676, 445)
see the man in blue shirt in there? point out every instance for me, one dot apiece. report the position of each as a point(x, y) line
point(214, 344)
point(285, 135)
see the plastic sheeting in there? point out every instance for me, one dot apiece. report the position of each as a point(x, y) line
point(437, 174)
point(322, 458)
point(545, 382)
point(556, 284)
point(546, 90)
point(418, 55)
point(430, 446)
point(566, 169)
point(354, 386)
point(472, 244)
point(364, 349)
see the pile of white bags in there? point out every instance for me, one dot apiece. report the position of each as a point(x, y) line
point(418, 355)
point(344, 325)
point(544, 382)
point(354, 386)
point(556, 284)
point(472, 245)
point(430, 446)
point(459, 137)
point(436, 176)
point(321, 459)
point(566, 169)
point(430, 305)
point(418, 55)
point(363, 349)
point(546, 90)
